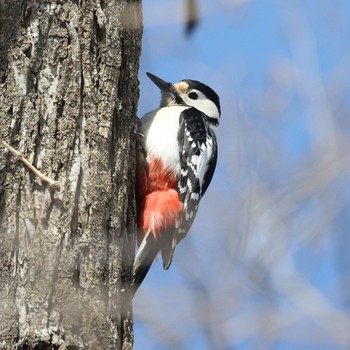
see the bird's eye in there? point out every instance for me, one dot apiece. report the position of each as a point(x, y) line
point(193, 95)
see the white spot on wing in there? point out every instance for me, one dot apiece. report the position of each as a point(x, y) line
point(195, 196)
point(194, 160)
point(203, 160)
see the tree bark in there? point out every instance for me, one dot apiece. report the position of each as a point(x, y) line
point(69, 91)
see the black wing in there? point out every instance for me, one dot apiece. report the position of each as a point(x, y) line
point(198, 156)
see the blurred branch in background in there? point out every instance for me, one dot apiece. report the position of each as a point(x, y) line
point(191, 16)
point(266, 263)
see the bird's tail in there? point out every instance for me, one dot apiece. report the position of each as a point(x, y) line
point(143, 260)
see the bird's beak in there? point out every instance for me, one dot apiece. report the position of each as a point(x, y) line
point(163, 85)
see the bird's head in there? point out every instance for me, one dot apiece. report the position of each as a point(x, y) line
point(189, 93)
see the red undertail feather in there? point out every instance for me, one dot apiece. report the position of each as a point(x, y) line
point(161, 210)
point(159, 205)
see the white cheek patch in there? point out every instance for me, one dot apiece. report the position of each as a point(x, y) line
point(203, 104)
point(208, 107)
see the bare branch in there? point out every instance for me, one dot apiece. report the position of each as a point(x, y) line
point(53, 183)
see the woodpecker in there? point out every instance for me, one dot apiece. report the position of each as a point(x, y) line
point(176, 160)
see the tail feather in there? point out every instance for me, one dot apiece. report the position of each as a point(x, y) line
point(149, 248)
point(167, 247)
point(143, 260)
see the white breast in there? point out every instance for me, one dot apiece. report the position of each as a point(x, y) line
point(160, 128)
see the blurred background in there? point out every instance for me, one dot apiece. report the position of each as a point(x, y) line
point(266, 263)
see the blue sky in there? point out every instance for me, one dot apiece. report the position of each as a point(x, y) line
point(265, 266)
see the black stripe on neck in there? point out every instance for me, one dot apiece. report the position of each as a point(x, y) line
point(212, 121)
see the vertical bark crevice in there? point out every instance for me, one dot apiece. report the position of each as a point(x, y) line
point(74, 223)
point(114, 135)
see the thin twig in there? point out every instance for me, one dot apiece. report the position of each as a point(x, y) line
point(54, 184)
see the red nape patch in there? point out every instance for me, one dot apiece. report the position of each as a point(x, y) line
point(160, 210)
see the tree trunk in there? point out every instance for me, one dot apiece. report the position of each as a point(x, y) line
point(69, 91)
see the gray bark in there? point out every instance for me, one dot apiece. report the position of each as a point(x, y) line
point(69, 91)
